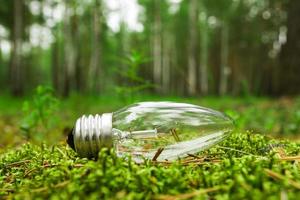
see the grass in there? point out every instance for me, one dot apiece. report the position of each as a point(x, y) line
point(251, 164)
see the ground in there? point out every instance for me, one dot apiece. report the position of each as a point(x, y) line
point(258, 160)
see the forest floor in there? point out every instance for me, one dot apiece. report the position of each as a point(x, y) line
point(259, 159)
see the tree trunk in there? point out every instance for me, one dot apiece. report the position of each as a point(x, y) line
point(70, 51)
point(55, 66)
point(166, 64)
point(96, 73)
point(224, 69)
point(157, 49)
point(124, 39)
point(289, 80)
point(1, 65)
point(56, 71)
point(204, 59)
point(2, 77)
point(192, 60)
point(16, 79)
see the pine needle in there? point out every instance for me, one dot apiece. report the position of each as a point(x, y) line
point(18, 163)
point(275, 175)
point(158, 152)
point(290, 158)
point(62, 184)
point(175, 135)
point(188, 195)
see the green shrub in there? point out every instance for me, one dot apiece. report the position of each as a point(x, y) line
point(131, 70)
point(39, 114)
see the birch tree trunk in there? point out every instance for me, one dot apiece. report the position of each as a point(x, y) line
point(157, 47)
point(224, 69)
point(16, 79)
point(192, 60)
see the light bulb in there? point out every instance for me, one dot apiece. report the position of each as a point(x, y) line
point(142, 130)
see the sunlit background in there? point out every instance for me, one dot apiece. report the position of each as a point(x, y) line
point(170, 47)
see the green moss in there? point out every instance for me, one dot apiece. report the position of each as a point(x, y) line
point(236, 168)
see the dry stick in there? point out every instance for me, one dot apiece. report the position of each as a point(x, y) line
point(62, 153)
point(7, 190)
point(28, 172)
point(200, 162)
point(188, 162)
point(290, 158)
point(194, 156)
point(62, 184)
point(50, 165)
point(14, 164)
point(175, 135)
point(232, 149)
point(44, 166)
point(158, 152)
point(188, 195)
point(281, 177)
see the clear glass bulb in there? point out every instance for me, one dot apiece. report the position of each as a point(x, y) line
point(141, 130)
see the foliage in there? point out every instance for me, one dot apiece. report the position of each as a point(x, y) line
point(131, 70)
point(244, 162)
point(39, 113)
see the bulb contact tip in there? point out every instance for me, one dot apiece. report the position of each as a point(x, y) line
point(70, 139)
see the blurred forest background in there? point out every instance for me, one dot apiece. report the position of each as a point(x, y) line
point(165, 47)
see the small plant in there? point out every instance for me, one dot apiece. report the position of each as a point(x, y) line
point(133, 82)
point(38, 113)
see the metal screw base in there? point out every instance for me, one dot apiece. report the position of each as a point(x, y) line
point(92, 133)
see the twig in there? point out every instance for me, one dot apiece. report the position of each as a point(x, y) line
point(290, 158)
point(188, 195)
point(6, 190)
point(61, 152)
point(78, 165)
point(50, 165)
point(28, 172)
point(43, 166)
point(175, 135)
point(232, 149)
point(281, 177)
point(62, 184)
point(158, 152)
point(14, 164)
point(200, 161)
point(194, 156)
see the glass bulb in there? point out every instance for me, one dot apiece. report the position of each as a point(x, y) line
point(151, 130)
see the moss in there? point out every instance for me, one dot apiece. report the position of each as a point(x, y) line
point(245, 166)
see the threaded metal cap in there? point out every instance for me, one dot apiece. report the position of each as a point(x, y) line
point(90, 134)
